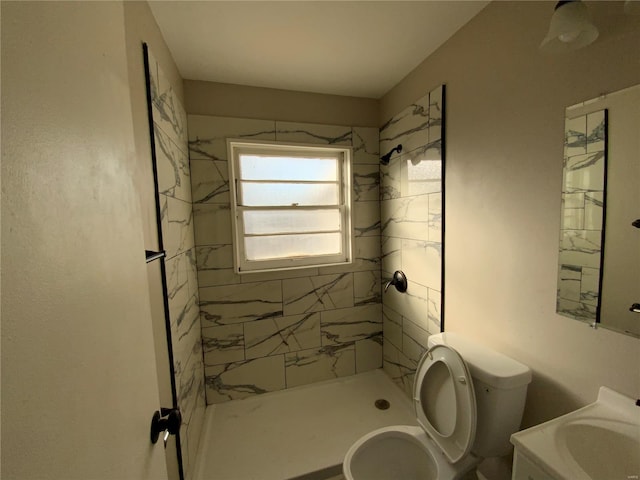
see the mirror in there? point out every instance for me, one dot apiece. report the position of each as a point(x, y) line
point(599, 258)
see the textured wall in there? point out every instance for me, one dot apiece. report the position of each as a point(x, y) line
point(411, 212)
point(269, 331)
point(78, 370)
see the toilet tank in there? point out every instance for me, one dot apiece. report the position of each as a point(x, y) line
point(500, 385)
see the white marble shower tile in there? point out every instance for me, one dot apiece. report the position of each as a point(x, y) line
point(580, 247)
point(215, 265)
point(584, 173)
point(593, 210)
point(577, 310)
point(177, 225)
point(590, 286)
point(414, 340)
point(406, 217)
point(573, 200)
point(367, 287)
point(316, 365)
point(366, 253)
point(436, 113)
point(239, 380)
point(278, 275)
point(391, 179)
point(185, 338)
point(411, 304)
point(414, 261)
point(434, 309)
point(596, 131)
point(391, 255)
point(420, 176)
point(192, 272)
point(223, 344)
point(177, 272)
point(190, 387)
point(210, 181)
point(313, 133)
point(435, 217)
point(422, 262)
point(347, 325)
point(189, 383)
point(400, 368)
point(369, 354)
point(314, 294)
point(366, 142)
point(282, 335)
point(573, 218)
point(172, 167)
point(212, 224)
point(392, 326)
point(231, 304)
point(575, 136)
point(366, 219)
point(153, 76)
point(168, 111)
point(208, 135)
point(569, 277)
point(366, 183)
point(409, 128)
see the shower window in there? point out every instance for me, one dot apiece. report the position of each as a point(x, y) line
point(291, 205)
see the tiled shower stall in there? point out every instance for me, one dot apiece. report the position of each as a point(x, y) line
point(412, 230)
point(235, 336)
point(270, 331)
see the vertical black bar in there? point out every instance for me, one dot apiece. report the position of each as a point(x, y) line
point(604, 214)
point(163, 270)
point(443, 143)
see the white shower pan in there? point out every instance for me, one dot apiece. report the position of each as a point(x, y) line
point(300, 432)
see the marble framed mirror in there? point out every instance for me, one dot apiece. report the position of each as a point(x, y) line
point(599, 254)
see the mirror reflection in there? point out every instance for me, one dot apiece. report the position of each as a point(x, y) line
point(599, 258)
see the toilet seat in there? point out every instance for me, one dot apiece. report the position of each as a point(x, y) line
point(444, 400)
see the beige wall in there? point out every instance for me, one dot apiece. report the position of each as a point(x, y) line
point(224, 100)
point(78, 374)
point(505, 124)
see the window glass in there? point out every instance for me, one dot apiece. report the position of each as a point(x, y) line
point(282, 193)
point(262, 222)
point(291, 205)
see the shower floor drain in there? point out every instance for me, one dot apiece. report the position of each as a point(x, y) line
point(382, 404)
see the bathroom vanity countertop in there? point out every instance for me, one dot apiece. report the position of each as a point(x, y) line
point(600, 440)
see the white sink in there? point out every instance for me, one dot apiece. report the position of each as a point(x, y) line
point(599, 441)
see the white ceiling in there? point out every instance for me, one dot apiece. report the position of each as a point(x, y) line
point(355, 48)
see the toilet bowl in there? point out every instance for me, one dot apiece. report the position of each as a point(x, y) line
point(468, 400)
point(401, 452)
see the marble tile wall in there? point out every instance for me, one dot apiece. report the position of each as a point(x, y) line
point(582, 216)
point(172, 162)
point(263, 332)
point(411, 233)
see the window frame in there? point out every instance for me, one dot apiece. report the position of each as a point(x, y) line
point(344, 154)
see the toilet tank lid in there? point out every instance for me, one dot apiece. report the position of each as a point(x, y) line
point(488, 366)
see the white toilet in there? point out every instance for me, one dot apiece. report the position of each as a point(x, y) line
point(466, 411)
